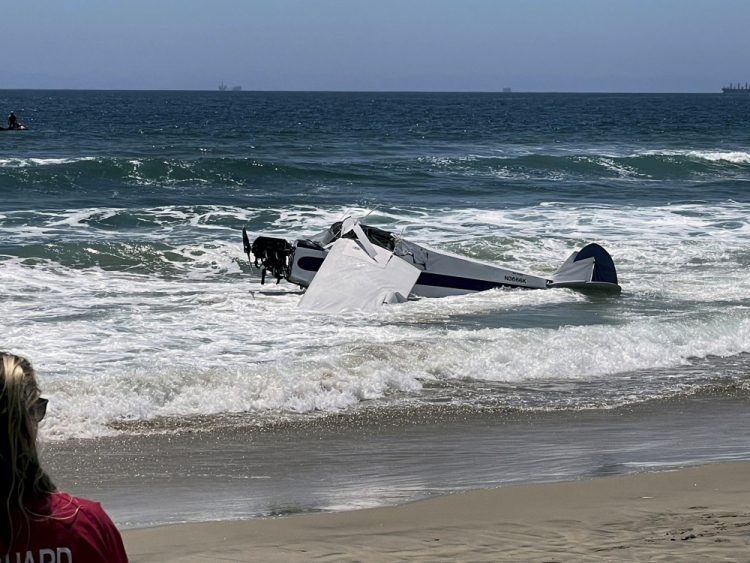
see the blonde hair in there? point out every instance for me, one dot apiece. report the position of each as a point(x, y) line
point(21, 477)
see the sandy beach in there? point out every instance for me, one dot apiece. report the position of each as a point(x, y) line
point(697, 513)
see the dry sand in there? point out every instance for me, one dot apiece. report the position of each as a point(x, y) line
point(693, 514)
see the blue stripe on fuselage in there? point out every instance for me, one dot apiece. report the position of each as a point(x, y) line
point(435, 280)
point(454, 282)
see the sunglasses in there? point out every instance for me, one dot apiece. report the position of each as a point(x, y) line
point(39, 409)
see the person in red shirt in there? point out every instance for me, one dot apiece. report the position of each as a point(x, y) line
point(39, 524)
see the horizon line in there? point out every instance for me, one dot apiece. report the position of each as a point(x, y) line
point(301, 91)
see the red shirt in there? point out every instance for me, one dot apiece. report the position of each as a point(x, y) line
point(69, 530)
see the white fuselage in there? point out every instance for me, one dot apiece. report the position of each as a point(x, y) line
point(442, 273)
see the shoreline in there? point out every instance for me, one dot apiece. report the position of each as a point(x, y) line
point(702, 511)
point(239, 474)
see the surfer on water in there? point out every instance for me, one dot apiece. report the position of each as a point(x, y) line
point(13, 123)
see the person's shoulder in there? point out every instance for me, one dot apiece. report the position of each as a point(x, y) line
point(63, 500)
point(82, 514)
point(88, 521)
point(64, 506)
point(77, 501)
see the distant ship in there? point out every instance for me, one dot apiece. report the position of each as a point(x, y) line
point(736, 89)
point(236, 88)
point(222, 86)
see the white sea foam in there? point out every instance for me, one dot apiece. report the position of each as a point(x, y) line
point(204, 339)
point(31, 162)
point(599, 154)
point(85, 224)
point(734, 157)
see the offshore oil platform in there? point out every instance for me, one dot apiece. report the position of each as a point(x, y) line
point(736, 89)
point(223, 87)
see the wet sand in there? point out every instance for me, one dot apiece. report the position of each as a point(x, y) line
point(697, 513)
point(339, 463)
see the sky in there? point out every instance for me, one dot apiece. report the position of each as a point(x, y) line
point(377, 45)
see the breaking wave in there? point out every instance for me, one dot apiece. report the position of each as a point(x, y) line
point(527, 173)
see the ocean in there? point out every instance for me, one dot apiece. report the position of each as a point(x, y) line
point(173, 374)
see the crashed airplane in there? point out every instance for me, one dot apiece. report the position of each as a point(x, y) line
point(355, 266)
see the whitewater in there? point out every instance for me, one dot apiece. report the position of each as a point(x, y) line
point(171, 321)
